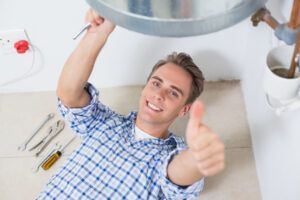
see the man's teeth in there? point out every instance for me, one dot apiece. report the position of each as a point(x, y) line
point(154, 107)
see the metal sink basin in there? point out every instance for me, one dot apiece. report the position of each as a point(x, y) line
point(176, 18)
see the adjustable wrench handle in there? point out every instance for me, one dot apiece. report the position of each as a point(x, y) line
point(23, 146)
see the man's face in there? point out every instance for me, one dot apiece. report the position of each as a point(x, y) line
point(165, 95)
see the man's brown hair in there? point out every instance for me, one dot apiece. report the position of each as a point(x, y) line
point(184, 61)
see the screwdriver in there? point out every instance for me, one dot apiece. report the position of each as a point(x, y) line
point(55, 156)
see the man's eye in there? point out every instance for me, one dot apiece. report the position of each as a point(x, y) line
point(173, 93)
point(155, 83)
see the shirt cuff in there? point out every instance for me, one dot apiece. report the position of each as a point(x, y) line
point(175, 191)
point(80, 117)
point(94, 94)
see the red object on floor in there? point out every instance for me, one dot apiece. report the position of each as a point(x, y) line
point(21, 46)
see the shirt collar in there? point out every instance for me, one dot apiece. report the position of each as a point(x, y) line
point(170, 143)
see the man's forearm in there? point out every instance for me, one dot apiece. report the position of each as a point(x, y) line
point(78, 68)
point(182, 169)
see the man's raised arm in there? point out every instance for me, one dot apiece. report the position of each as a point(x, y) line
point(79, 65)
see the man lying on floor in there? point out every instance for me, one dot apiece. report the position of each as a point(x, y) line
point(134, 156)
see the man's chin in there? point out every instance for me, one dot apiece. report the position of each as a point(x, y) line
point(149, 119)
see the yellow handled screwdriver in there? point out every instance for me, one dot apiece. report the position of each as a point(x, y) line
point(55, 156)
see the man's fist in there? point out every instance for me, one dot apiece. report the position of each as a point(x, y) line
point(99, 24)
point(204, 145)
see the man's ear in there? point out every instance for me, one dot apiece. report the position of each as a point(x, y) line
point(184, 110)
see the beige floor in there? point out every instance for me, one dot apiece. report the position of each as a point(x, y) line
point(225, 113)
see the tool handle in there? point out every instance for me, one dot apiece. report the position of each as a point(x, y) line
point(51, 160)
point(49, 116)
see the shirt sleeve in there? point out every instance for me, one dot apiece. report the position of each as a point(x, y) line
point(83, 120)
point(173, 191)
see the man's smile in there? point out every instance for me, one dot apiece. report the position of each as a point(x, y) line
point(153, 107)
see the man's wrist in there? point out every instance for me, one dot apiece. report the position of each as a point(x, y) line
point(97, 37)
point(93, 42)
point(183, 170)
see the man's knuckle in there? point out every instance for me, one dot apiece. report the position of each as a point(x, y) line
point(220, 146)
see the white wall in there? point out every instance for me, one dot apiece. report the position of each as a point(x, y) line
point(237, 52)
point(126, 59)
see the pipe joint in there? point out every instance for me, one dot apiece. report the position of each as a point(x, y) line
point(285, 33)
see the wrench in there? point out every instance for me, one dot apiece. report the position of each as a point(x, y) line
point(87, 26)
point(22, 147)
point(55, 129)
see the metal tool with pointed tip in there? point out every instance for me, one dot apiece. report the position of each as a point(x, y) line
point(88, 25)
point(23, 146)
point(54, 130)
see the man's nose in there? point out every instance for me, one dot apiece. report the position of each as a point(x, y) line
point(159, 95)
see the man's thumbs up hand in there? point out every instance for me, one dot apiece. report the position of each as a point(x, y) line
point(204, 145)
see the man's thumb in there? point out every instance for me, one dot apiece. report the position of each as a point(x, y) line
point(196, 114)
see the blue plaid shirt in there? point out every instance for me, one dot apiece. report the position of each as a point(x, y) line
point(111, 164)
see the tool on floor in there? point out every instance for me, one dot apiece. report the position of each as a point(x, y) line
point(56, 155)
point(23, 146)
point(54, 130)
point(88, 25)
point(55, 148)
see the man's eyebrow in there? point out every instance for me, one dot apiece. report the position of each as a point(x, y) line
point(157, 78)
point(172, 86)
